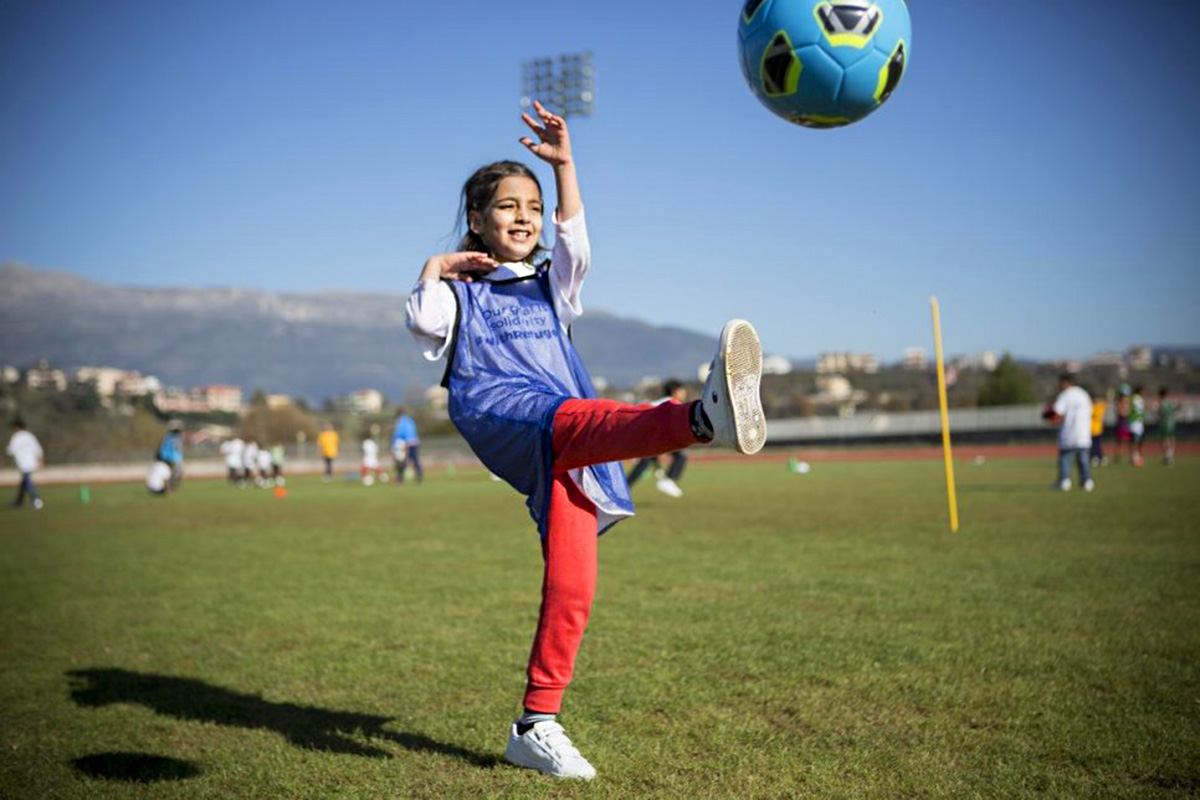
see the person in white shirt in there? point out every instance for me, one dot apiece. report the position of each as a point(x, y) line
point(249, 460)
point(158, 479)
point(264, 467)
point(232, 450)
point(371, 470)
point(26, 451)
point(1072, 412)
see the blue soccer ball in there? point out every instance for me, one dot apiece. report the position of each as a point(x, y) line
point(824, 63)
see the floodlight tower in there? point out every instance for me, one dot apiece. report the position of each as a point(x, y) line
point(568, 90)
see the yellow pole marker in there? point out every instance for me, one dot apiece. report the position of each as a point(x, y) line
point(951, 498)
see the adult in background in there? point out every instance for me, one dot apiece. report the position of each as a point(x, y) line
point(327, 445)
point(26, 451)
point(170, 451)
point(406, 447)
point(673, 392)
point(1072, 413)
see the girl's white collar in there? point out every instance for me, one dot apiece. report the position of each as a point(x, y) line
point(513, 269)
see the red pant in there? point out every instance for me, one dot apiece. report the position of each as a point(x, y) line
point(586, 432)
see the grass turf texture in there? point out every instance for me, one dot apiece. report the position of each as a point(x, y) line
point(768, 635)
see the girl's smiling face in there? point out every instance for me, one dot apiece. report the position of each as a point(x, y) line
point(512, 221)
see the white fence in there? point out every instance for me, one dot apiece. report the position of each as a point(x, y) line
point(908, 424)
point(1018, 421)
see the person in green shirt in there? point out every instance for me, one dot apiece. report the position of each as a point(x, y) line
point(1167, 411)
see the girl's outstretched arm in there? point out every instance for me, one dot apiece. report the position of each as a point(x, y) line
point(554, 147)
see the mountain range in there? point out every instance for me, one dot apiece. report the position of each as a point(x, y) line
point(308, 345)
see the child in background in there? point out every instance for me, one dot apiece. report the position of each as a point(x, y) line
point(523, 401)
point(158, 479)
point(371, 471)
point(277, 459)
point(406, 447)
point(232, 450)
point(1168, 410)
point(1099, 406)
point(1124, 437)
point(264, 466)
point(249, 460)
point(327, 443)
point(666, 482)
point(1137, 423)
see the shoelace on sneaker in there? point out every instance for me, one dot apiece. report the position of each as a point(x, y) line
point(557, 740)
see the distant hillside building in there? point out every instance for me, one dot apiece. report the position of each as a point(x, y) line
point(1141, 357)
point(986, 361)
point(135, 384)
point(104, 379)
point(10, 374)
point(174, 400)
point(914, 358)
point(363, 401)
point(45, 377)
point(1108, 359)
point(839, 363)
point(219, 397)
point(776, 365)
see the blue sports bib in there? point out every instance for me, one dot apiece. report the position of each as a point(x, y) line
point(509, 368)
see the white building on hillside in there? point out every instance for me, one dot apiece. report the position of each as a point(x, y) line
point(839, 363)
point(105, 379)
point(44, 376)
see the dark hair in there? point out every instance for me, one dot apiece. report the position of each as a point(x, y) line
point(479, 190)
point(1066, 377)
point(672, 386)
point(1163, 391)
point(18, 423)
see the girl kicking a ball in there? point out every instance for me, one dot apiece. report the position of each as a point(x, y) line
point(500, 312)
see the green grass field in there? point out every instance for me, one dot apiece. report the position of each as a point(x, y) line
point(768, 635)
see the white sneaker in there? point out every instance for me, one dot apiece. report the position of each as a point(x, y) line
point(1064, 485)
point(1089, 485)
point(668, 486)
point(731, 396)
point(546, 748)
point(37, 504)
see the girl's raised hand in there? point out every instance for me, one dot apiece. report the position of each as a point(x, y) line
point(463, 266)
point(554, 145)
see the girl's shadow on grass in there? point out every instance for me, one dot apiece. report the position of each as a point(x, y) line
point(304, 726)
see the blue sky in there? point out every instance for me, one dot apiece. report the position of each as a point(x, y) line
point(1037, 169)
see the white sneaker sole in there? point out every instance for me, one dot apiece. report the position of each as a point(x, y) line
point(739, 362)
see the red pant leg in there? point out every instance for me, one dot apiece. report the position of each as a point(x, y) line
point(596, 431)
point(586, 432)
point(568, 586)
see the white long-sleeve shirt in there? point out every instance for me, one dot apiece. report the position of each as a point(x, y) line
point(431, 306)
point(25, 450)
